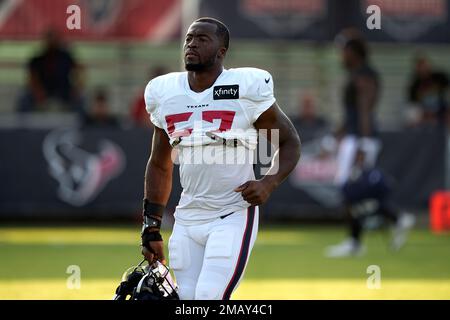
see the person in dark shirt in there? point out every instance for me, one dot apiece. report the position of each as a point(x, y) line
point(360, 92)
point(100, 115)
point(360, 96)
point(53, 76)
point(308, 122)
point(428, 92)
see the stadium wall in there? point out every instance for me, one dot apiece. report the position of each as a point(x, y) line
point(68, 173)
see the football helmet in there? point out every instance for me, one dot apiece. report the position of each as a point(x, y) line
point(149, 282)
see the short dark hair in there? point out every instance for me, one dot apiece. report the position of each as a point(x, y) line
point(358, 46)
point(221, 30)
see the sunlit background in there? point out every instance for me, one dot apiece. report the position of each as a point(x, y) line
point(73, 151)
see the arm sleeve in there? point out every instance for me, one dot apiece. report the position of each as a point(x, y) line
point(152, 105)
point(260, 94)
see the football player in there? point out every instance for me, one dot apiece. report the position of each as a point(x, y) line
point(360, 97)
point(211, 110)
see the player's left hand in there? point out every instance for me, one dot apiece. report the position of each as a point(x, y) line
point(255, 192)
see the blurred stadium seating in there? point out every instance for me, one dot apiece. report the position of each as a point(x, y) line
point(296, 67)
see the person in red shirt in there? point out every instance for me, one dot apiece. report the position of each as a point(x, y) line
point(138, 114)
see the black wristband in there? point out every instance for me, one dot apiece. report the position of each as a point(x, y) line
point(152, 213)
point(153, 209)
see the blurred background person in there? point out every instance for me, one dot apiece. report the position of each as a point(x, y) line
point(360, 96)
point(54, 79)
point(138, 114)
point(427, 94)
point(367, 194)
point(99, 113)
point(307, 122)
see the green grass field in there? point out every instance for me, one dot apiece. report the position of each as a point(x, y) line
point(286, 263)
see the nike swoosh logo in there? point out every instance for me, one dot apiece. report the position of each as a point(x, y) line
point(267, 80)
point(224, 216)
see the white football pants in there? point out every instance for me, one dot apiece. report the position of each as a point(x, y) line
point(347, 152)
point(209, 259)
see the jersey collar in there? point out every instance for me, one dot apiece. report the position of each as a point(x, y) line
point(200, 95)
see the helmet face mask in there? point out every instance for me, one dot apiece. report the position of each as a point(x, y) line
point(150, 282)
point(156, 284)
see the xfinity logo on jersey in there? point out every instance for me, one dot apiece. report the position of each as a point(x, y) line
point(226, 92)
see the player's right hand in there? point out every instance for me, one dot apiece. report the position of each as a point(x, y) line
point(152, 245)
point(154, 250)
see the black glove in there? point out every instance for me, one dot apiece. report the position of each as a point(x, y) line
point(150, 234)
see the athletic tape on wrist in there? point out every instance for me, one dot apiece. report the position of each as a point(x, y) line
point(153, 209)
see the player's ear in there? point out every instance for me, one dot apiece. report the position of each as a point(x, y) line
point(222, 52)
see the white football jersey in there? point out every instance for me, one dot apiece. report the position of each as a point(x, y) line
point(197, 123)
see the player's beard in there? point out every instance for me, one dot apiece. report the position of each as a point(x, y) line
point(200, 66)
